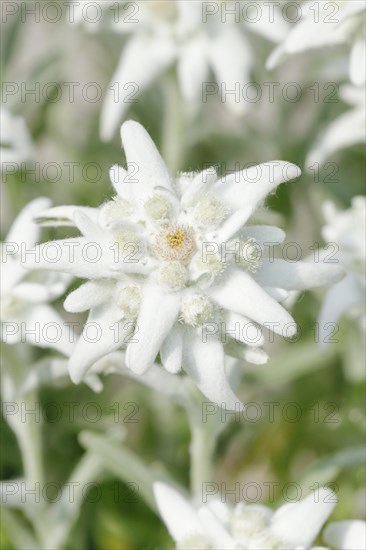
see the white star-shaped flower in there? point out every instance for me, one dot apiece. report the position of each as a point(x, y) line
point(195, 37)
point(293, 526)
point(175, 270)
point(26, 315)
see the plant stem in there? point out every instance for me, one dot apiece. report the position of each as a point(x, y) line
point(203, 442)
point(173, 146)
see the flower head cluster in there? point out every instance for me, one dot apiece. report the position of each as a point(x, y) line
point(293, 526)
point(175, 270)
point(195, 37)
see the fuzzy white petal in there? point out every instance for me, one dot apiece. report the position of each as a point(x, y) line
point(192, 72)
point(264, 234)
point(240, 293)
point(233, 224)
point(307, 36)
point(159, 311)
point(178, 514)
point(143, 156)
point(142, 60)
point(89, 295)
point(358, 63)
point(300, 523)
point(60, 216)
point(297, 275)
point(101, 335)
point(79, 257)
point(347, 130)
point(346, 535)
point(24, 230)
point(232, 71)
point(277, 294)
point(252, 185)
point(200, 184)
point(121, 181)
point(243, 329)
point(276, 57)
point(88, 227)
point(339, 299)
point(256, 356)
point(216, 532)
point(171, 350)
point(272, 29)
point(204, 361)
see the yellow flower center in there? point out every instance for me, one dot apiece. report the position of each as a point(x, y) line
point(174, 243)
point(176, 239)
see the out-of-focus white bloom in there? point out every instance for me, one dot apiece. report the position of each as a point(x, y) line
point(346, 535)
point(26, 315)
point(176, 257)
point(318, 28)
point(346, 25)
point(15, 141)
point(347, 130)
point(214, 525)
point(347, 230)
point(194, 36)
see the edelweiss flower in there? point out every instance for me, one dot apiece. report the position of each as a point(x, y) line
point(16, 145)
point(347, 130)
point(187, 34)
point(293, 526)
point(346, 25)
point(25, 295)
point(346, 229)
point(173, 268)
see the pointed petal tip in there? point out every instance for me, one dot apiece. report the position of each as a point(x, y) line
point(292, 171)
point(133, 361)
point(68, 306)
point(74, 373)
point(130, 126)
point(39, 204)
point(159, 487)
point(106, 132)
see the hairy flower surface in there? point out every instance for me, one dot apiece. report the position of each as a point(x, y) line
point(175, 269)
point(293, 526)
point(25, 312)
point(347, 229)
point(195, 37)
